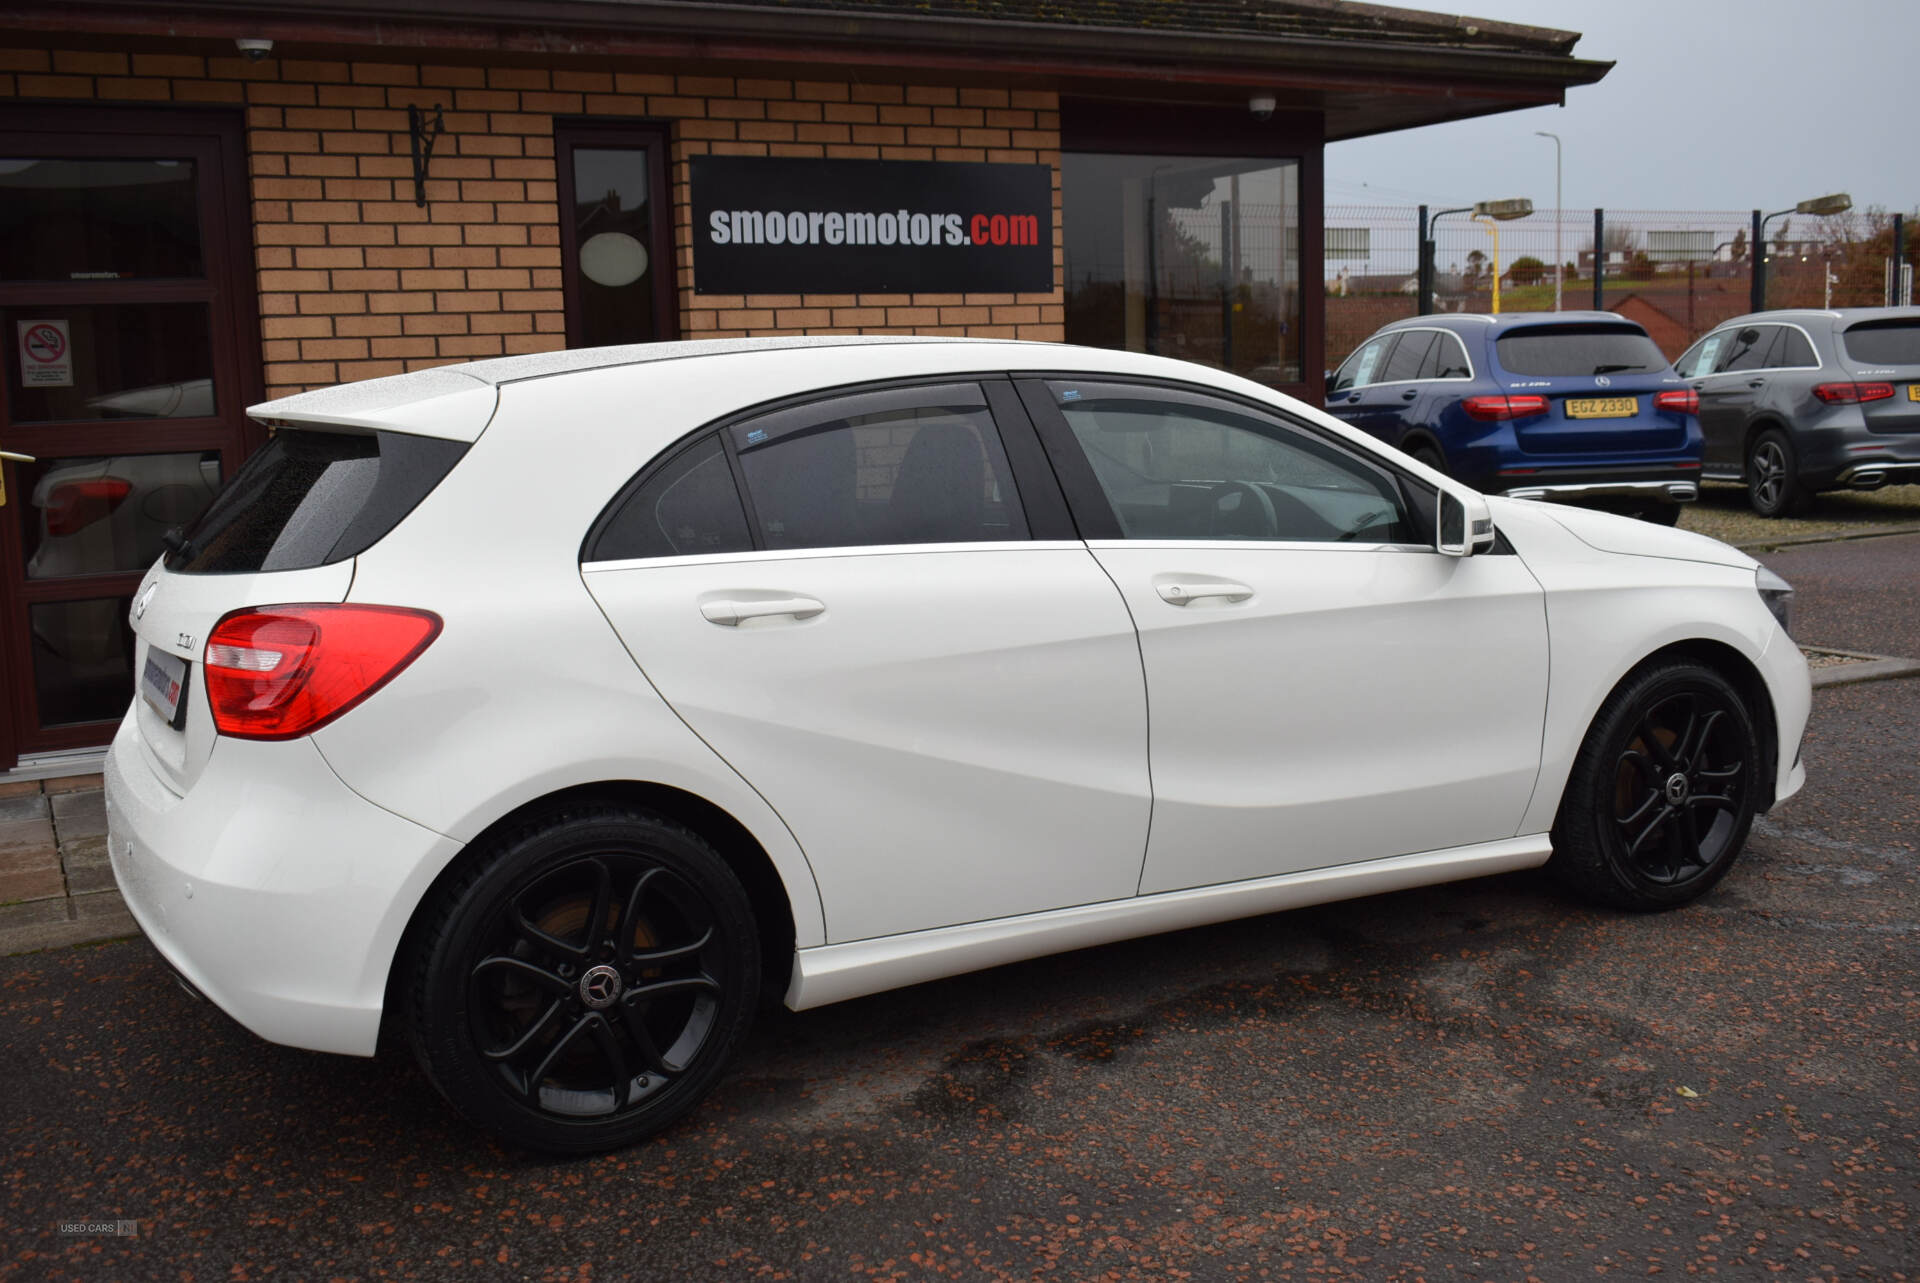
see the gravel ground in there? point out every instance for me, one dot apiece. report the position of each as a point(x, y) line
point(1473, 1081)
point(1722, 512)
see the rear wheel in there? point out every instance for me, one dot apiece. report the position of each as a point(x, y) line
point(585, 982)
point(1773, 476)
point(1428, 453)
point(1662, 793)
point(1660, 514)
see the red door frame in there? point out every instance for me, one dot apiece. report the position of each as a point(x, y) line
point(215, 140)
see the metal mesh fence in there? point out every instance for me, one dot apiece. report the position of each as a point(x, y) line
point(1678, 273)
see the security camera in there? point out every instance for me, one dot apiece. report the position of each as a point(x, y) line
point(254, 47)
point(1262, 105)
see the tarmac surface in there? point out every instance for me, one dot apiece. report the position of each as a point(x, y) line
point(1482, 1080)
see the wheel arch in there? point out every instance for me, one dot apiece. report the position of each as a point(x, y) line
point(767, 892)
point(1737, 669)
point(1761, 423)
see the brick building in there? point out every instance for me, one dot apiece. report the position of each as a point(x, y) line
point(203, 204)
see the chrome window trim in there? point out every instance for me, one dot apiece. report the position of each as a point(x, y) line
point(1415, 329)
point(1782, 369)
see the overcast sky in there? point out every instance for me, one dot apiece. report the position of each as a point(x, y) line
point(1712, 104)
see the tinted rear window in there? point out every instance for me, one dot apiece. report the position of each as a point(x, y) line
point(311, 498)
point(1578, 349)
point(1883, 343)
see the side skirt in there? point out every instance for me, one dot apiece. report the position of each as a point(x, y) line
point(835, 972)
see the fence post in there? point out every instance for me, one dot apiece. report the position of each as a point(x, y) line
point(1758, 299)
point(1423, 274)
point(1895, 296)
point(1599, 260)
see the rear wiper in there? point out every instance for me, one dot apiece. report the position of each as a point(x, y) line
point(1615, 369)
point(176, 541)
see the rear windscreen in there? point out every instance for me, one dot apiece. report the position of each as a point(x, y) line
point(1883, 343)
point(1578, 349)
point(310, 498)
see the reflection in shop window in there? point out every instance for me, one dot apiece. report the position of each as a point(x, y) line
point(1184, 256)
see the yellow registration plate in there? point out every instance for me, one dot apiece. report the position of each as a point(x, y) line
point(1913, 391)
point(1603, 407)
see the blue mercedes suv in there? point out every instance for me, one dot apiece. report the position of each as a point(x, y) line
point(1574, 406)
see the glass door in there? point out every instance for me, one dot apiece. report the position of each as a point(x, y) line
point(128, 328)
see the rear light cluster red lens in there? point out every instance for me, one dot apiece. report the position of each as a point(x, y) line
point(1848, 393)
point(1494, 409)
point(280, 672)
point(1685, 400)
point(74, 505)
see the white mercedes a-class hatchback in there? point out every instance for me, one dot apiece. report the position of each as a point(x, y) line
point(552, 710)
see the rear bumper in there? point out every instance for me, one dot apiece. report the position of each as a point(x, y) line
point(1660, 491)
point(270, 887)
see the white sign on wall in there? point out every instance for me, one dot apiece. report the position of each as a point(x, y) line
point(46, 354)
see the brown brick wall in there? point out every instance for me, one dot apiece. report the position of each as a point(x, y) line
point(356, 281)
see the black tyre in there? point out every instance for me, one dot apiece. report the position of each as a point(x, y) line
point(1773, 475)
point(1660, 514)
point(1429, 453)
point(585, 982)
point(1662, 793)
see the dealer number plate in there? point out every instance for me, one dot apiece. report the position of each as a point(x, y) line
point(1603, 407)
point(161, 682)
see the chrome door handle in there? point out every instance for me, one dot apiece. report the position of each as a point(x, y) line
point(1184, 594)
point(729, 613)
point(11, 457)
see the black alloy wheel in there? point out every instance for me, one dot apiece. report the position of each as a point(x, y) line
point(1662, 793)
point(1428, 453)
point(1773, 475)
point(585, 983)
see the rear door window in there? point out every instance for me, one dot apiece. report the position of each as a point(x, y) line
point(1408, 356)
point(686, 508)
point(912, 466)
point(1748, 350)
point(1883, 343)
point(1791, 351)
point(1446, 359)
point(310, 498)
point(1560, 350)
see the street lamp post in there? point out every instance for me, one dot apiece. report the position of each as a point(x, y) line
point(1503, 210)
point(1819, 207)
point(1559, 260)
point(1496, 212)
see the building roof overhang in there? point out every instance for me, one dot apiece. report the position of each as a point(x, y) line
point(1365, 69)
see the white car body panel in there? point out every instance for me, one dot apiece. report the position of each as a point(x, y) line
point(842, 971)
point(960, 734)
point(1362, 702)
point(325, 846)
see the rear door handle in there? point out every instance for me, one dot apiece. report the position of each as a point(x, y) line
point(1409, 394)
point(1756, 383)
point(1182, 594)
point(729, 612)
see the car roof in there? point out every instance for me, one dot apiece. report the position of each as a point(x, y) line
point(1843, 317)
point(1481, 322)
point(458, 401)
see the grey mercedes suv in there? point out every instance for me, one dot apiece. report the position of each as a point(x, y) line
point(1797, 402)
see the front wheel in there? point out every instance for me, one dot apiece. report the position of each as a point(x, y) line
point(1662, 793)
point(585, 981)
point(1773, 475)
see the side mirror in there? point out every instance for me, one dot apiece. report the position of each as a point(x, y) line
point(1463, 526)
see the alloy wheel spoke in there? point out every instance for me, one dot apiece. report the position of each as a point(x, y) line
point(519, 1045)
point(1652, 802)
point(1714, 802)
point(1696, 750)
point(643, 1042)
point(616, 1061)
point(684, 984)
point(522, 969)
point(652, 957)
point(1655, 746)
point(1653, 826)
point(552, 943)
point(1688, 832)
point(630, 916)
point(531, 1089)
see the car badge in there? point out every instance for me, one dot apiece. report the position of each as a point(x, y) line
point(1602, 381)
point(141, 602)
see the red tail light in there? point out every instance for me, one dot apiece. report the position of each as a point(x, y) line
point(1848, 393)
point(74, 505)
point(280, 672)
point(1493, 409)
point(1686, 401)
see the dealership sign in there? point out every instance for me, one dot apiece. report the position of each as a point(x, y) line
point(778, 226)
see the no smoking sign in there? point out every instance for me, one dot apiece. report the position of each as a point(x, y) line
point(46, 354)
